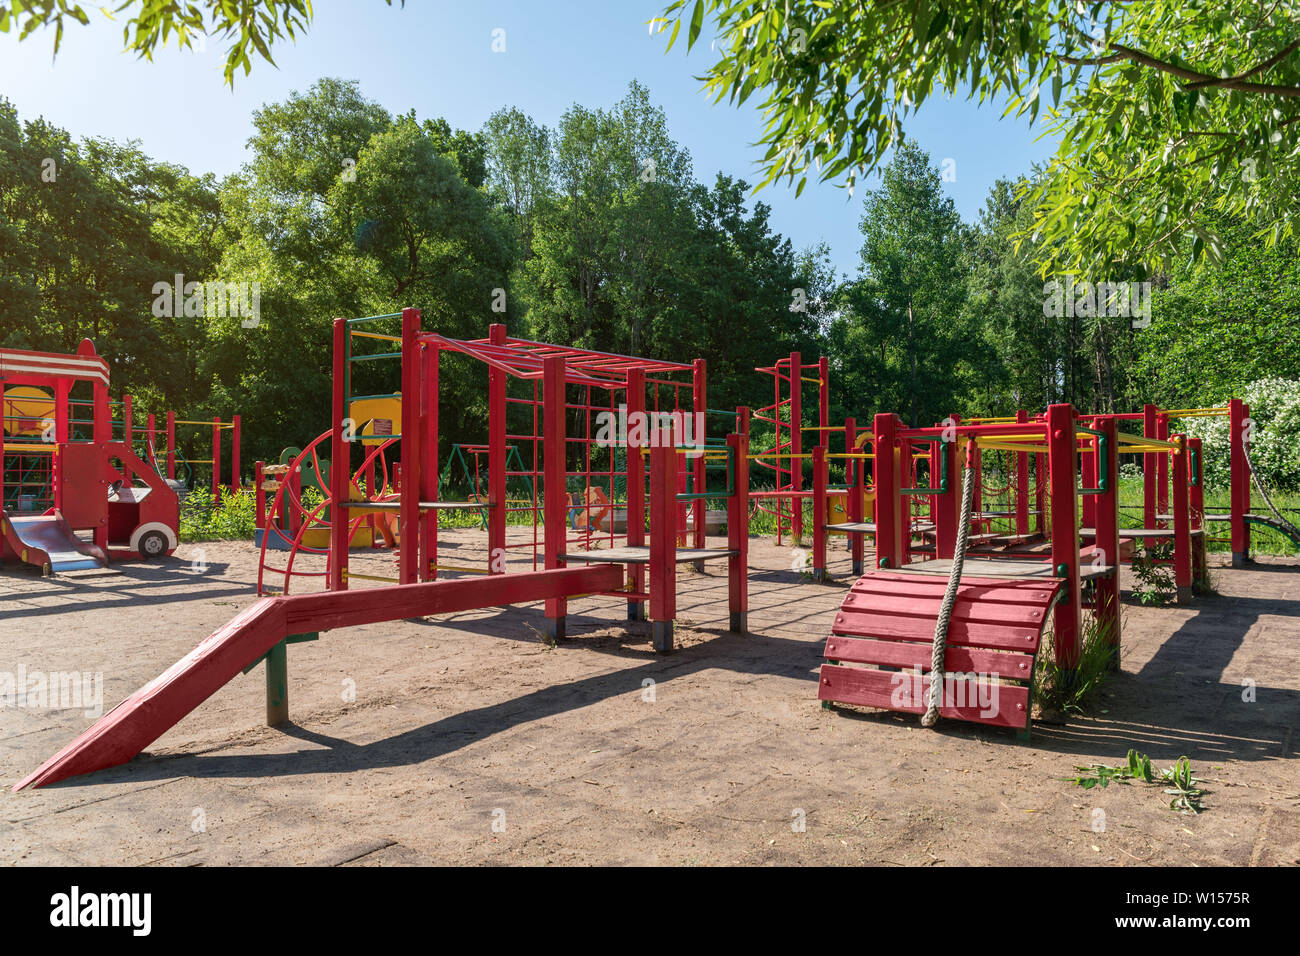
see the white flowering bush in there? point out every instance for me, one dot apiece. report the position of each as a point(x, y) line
point(1275, 436)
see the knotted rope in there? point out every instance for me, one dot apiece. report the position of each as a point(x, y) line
point(931, 716)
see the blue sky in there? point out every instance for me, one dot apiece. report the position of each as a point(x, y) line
point(436, 58)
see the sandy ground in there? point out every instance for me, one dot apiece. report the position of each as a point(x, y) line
point(467, 739)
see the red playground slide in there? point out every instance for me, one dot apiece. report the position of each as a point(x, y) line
point(49, 543)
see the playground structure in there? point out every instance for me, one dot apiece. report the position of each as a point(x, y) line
point(97, 485)
point(974, 635)
point(557, 385)
point(535, 391)
point(938, 636)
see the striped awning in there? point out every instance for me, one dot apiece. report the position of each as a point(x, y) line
point(19, 362)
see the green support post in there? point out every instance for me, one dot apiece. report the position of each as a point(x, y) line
point(277, 685)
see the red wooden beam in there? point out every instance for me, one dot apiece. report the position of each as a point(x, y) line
point(408, 520)
point(796, 444)
point(338, 477)
point(663, 542)
point(148, 713)
point(1182, 525)
point(819, 512)
point(855, 467)
point(554, 489)
point(1149, 468)
point(1022, 482)
point(1238, 414)
point(1106, 515)
point(636, 492)
point(497, 380)
point(1061, 452)
point(891, 518)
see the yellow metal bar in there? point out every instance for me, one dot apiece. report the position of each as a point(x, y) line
point(805, 378)
point(1143, 449)
point(1149, 444)
point(209, 424)
point(457, 567)
point(823, 428)
point(43, 449)
point(369, 577)
point(376, 335)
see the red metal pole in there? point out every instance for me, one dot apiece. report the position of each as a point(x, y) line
point(853, 512)
point(259, 495)
point(1182, 522)
point(1162, 468)
point(1149, 469)
point(796, 446)
point(1065, 531)
point(1196, 505)
point(554, 486)
point(497, 452)
point(891, 520)
point(636, 464)
point(339, 465)
point(1106, 516)
point(128, 436)
point(700, 393)
point(1022, 482)
point(429, 465)
point(408, 521)
point(171, 445)
point(820, 480)
point(1239, 494)
point(151, 435)
point(1040, 497)
point(234, 453)
point(823, 395)
point(663, 544)
point(216, 461)
point(738, 529)
point(945, 507)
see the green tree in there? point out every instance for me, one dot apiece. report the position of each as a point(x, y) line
point(1164, 110)
point(247, 27)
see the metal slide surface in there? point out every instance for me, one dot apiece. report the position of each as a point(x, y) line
point(47, 542)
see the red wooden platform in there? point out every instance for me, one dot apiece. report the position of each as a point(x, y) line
point(887, 621)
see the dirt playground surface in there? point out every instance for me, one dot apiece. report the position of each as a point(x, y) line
point(466, 739)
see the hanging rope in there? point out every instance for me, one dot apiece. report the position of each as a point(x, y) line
point(1259, 486)
point(931, 716)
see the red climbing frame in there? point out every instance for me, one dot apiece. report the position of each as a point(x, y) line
point(786, 457)
point(888, 619)
point(264, 630)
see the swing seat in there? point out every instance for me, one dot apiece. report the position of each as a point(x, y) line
point(880, 648)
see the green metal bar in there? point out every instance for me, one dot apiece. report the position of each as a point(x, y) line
point(375, 357)
point(1103, 481)
point(362, 398)
point(374, 318)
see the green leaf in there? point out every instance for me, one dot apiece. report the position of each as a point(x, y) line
point(697, 22)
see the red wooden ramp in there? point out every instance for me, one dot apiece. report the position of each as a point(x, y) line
point(887, 620)
point(152, 710)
